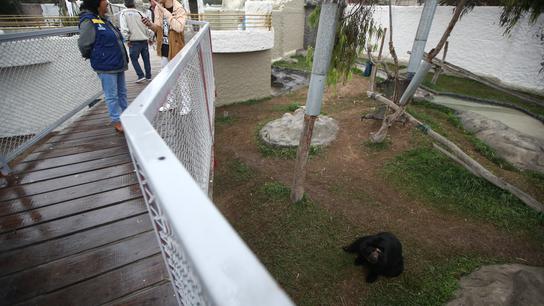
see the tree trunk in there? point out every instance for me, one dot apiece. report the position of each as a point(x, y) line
point(303, 150)
point(439, 68)
point(375, 66)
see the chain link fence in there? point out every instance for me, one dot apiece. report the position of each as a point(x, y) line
point(169, 130)
point(44, 81)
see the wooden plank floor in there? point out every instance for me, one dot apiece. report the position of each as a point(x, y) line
point(74, 229)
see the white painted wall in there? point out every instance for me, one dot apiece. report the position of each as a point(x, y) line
point(225, 41)
point(476, 43)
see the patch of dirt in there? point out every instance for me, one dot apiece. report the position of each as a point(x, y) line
point(346, 179)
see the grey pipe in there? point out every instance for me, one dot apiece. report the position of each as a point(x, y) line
point(424, 67)
point(423, 29)
point(322, 57)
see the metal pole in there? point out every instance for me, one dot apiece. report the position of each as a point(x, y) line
point(326, 33)
point(418, 48)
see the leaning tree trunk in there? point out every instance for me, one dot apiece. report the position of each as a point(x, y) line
point(380, 135)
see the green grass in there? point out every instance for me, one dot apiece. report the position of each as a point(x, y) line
point(450, 113)
point(291, 107)
point(429, 175)
point(281, 152)
point(467, 87)
point(238, 171)
point(378, 147)
point(357, 71)
point(536, 176)
point(435, 285)
point(300, 244)
point(488, 152)
point(224, 120)
point(301, 64)
point(255, 101)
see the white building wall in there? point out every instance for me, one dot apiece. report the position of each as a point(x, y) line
point(476, 43)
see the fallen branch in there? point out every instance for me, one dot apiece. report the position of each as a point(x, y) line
point(465, 160)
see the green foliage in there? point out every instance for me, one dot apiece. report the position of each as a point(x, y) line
point(434, 285)
point(313, 18)
point(309, 57)
point(427, 174)
point(353, 31)
point(513, 10)
point(356, 70)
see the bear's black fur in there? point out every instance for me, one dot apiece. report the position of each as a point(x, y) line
point(381, 253)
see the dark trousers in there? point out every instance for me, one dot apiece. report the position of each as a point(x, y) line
point(137, 48)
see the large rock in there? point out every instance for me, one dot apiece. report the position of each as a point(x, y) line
point(502, 285)
point(285, 132)
point(521, 150)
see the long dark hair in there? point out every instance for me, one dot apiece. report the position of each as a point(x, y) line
point(90, 5)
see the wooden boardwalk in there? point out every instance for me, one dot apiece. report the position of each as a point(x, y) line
point(74, 228)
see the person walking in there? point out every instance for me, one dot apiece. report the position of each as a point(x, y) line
point(168, 25)
point(137, 36)
point(102, 43)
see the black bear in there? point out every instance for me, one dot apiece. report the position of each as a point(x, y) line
point(381, 253)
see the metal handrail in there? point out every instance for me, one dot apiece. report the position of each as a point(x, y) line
point(208, 262)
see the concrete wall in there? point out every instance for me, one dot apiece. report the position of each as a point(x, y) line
point(476, 43)
point(241, 76)
point(288, 23)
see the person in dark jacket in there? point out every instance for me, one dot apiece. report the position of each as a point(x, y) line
point(102, 43)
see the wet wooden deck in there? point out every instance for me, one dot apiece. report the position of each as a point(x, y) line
point(74, 228)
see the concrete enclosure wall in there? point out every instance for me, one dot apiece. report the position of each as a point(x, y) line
point(288, 23)
point(476, 43)
point(241, 76)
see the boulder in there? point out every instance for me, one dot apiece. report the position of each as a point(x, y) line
point(523, 151)
point(285, 131)
point(511, 284)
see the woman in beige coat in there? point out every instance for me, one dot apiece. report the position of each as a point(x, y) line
point(169, 24)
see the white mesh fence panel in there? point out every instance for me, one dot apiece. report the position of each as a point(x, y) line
point(169, 129)
point(42, 79)
point(184, 123)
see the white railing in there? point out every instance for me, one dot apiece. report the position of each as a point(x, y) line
point(172, 151)
point(44, 82)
